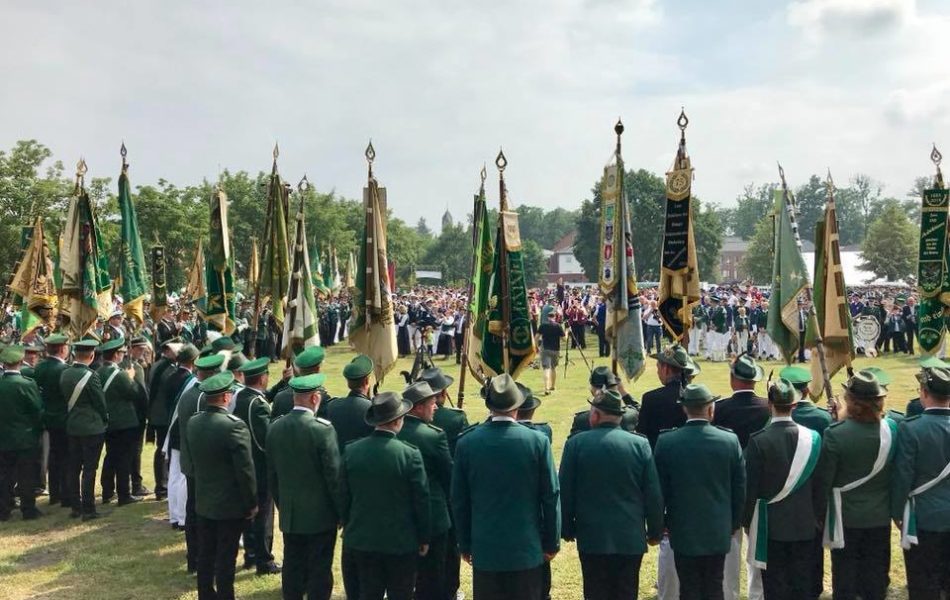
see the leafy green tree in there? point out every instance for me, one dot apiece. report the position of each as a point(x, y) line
point(534, 264)
point(751, 207)
point(757, 262)
point(422, 228)
point(452, 252)
point(708, 229)
point(890, 248)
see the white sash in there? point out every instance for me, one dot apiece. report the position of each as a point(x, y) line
point(909, 523)
point(803, 464)
point(834, 526)
point(188, 385)
point(112, 376)
point(77, 391)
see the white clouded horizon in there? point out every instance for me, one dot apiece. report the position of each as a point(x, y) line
point(851, 85)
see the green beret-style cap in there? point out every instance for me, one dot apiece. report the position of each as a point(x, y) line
point(358, 368)
point(210, 363)
point(310, 357)
point(85, 345)
point(113, 344)
point(307, 383)
point(56, 339)
point(795, 375)
point(217, 384)
point(253, 368)
point(12, 354)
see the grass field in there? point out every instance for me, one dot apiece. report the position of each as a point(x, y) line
point(133, 553)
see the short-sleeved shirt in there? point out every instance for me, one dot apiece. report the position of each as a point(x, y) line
point(551, 336)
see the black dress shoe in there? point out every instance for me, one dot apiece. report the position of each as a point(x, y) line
point(107, 500)
point(248, 564)
point(129, 500)
point(32, 514)
point(90, 516)
point(141, 492)
point(270, 568)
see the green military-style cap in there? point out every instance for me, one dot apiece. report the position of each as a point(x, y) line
point(674, 356)
point(797, 376)
point(141, 340)
point(207, 350)
point(113, 344)
point(218, 384)
point(745, 368)
point(12, 354)
point(85, 345)
point(882, 377)
point(310, 357)
point(187, 354)
point(307, 383)
point(932, 362)
point(56, 339)
point(253, 368)
point(210, 363)
point(697, 394)
point(358, 368)
point(864, 384)
point(33, 345)
point(226, 343)
point(608, 401)
point(935, 381)
point(783, 393)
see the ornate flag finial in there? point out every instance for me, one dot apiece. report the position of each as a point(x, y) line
point(500, 161)
point(483, 174)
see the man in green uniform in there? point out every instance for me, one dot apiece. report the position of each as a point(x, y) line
point(220, 448)
point(86, 426)
point(303, 470)
point(784, 504)
point(806, 412)
point(601, 378)
point(307, 362)
point(610, 501)
point(525, 414)
point(505, 542)
point(920, 492)
point(252, 408)
point(914, 407)
point(385, 503)
point(347, 413)
point(158, 416)
point(137, 358)
point(20, 431)
point(188, 406)
point(47, 374)
point(702, 476)
point(855, 474)
point(122, 395)
point(173, 386)
point(453, 421)
point(431, 441)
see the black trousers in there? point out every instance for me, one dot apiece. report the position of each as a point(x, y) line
point(385, 575)
point(430, 571)
point(459, 339)
point(135, 469)
point(789, 576)
point(861, 567)
point(191, 526)
point(84, 453)
point(258, 541)
point(700, 576)
point(453, 564)
point(577, 339)
point(611, 576)
point(603, 344)
point(817, 565)
point(218, 548)
point(117, 465)
point(158, 462)
point(308, 566)
point(910, 333)
point(349, 565)
point(18, 467)
point(801, 346)
point(926, 565)
point(57, 465)
point(508, 585)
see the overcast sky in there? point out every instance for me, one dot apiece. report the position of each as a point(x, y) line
point(854, 85)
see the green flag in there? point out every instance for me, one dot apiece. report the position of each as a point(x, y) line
point(275, 270)
point(484, 257)
point(932, 268)
point(317, 276)
point(789, 279)
point(328, 272)
point(219, 268)
point(132, 257)
point(84, 266)
point(159, 290)
point(300, 325)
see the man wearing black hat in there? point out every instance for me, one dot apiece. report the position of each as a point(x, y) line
point(418, 431)
point(20, 431)
point(252, 408)
point(303, 470)
point(601, 379)
point(702, 476)
point(47, 374)
point(501, 459)
point(173, 386)
point(659, 409)
point(385, 503)
point(784, 505)
point(610, 501)
point(225, 495)
point(158, 416)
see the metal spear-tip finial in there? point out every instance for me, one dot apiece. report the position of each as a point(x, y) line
point(81, 167)
point(370, 153)
point(123, 152)
point(618, 128)
point(829, 181)
point(483, 174)
point(304, 184)
point(500, 161)
point(683, 121)
point(276, 151)
point(936, 157)
point(781, 172)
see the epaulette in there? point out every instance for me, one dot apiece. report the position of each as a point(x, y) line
point(352, 441)
point(637, 433)
point(456, 409)
point(914, 418)
point(466, 430)
point(413, 446)
point(539, 423)
point(582, 412)
point(323, 421)
point(752, 435)
point(835, 424)
point(233, 418)
point(894, 412)
point(436, 427)
point(662, 431)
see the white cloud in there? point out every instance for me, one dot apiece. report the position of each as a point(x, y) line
point(859, 18)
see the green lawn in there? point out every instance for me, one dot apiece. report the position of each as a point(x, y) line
point(133, 553)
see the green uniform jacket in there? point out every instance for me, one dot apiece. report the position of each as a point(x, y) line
point(432, 443)
point(187, 408)
point(224, 471)
point(303, 471)
point(157, 415)
point(631, 417)
point(542, 428)
point(505, 497)
point(768, 458)
point(385, 496)
point(283, 403)
point(347, 415)
point(47, 375)
point(452, 421)
point(914, 408)
point(923, 451)
point(22, 410)
point(813, 417)
point(252, 408)
point(122, 396)
point(609, 489)
point(702, 475)
point(89, 415)
point(174, 422)
point(848, 452)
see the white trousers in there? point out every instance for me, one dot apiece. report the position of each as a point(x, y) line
point(742, 341)
point(667, 581)
point(693, 348)
point(730, 575)
point(177, 489)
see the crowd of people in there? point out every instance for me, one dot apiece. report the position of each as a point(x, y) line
point(416, 488)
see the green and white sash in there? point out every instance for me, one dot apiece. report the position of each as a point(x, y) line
point(834, 525)
point(803, 465)
point(77, 391)
point(909, 525)
point(110, 379)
